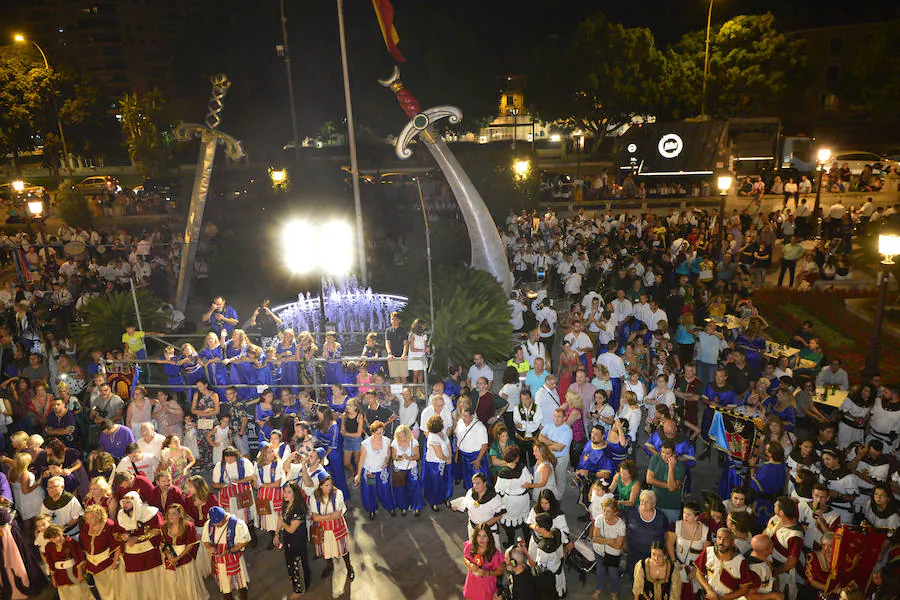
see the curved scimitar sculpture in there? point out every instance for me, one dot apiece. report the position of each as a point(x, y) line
point(487, 250)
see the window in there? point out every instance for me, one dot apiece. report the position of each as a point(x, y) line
point(831, 75)
point(510, 100)
point(829, 101)
point(836, 46)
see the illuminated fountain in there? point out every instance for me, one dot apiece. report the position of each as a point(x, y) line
point(350, 310)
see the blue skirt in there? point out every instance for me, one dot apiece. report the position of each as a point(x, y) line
point(437, 485)
point(456, 465)
point(380, 492)
point(409, 497)
point(335, 468)
point(616, 395)
point(467, 470)
point(290, 374)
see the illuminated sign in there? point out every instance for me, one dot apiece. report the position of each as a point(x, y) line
point(670, 145)
point(632, 148)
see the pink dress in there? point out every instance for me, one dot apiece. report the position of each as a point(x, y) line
point(481, 588)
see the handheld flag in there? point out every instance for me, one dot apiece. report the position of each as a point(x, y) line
point(717, 431)
point(737, 435)
point(385, 13)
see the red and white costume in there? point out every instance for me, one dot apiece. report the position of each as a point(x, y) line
point(64, 563)
point(229, 568)
point(813, 535)
point(335, 542)
point(101, 562)
point(271, 473)
point(174, 495)
point(787, 542)
point(724, 576)
point(183, 579)
point(227, 473)
point(143, 560)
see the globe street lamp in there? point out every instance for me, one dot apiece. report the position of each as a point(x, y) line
point(822, 157)
point(888, 247)
point(20, 39)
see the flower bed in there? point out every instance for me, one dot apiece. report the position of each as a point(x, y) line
point(843, 334)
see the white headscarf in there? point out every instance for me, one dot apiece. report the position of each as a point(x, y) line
point(141, 513)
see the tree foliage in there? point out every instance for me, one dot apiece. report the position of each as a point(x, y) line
point(471, 316)
point(72, 206)
point(751, 65)
point(601, 77)
point(145, 122)
point(106, 317)
point(28, 118)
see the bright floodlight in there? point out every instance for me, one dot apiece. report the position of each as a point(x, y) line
point(335, 248)
point(823, 155)
point(278, 175)
point(327, 248)
point(522, 167)
point(555, 137)
point(19, 38)
point(724, 183)
point(889, 246)
point(300, 242)
point(35, 207)
point(18, 185)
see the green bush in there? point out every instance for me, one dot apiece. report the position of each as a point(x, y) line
point(471, 316)
point(106, 316)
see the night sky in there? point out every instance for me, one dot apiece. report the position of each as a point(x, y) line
point(456, 51)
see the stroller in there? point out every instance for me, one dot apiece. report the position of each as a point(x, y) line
point(582, 555)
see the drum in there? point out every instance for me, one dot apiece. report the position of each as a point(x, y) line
point(75, 249)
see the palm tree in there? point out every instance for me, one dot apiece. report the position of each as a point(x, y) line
point(106, 316)
point(471, 316)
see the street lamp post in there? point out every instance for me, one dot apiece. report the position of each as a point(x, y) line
point(706, 62)
point(822, 157)
point(290, 79)
point(20, 39)
point(723, 183)
point(514, 112)
point(888, 247)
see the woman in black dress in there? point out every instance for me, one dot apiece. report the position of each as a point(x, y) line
point(293, 539)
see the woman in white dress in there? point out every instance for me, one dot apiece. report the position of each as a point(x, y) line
point(482, 505)
point(510, 486)
point(418, 344)
point(608, 537)
point(28, 493)
point(630, 410)
point(684, 544)
point(549, 504)
point(854, 412)
point(544, 478)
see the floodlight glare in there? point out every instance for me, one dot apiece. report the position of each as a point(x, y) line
point(522, 167)
point(724, 183)
point(18, 185)
point(823, 155)
point(278, 175)
point(327, 248)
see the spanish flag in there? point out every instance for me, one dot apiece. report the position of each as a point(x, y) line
point(385, 13)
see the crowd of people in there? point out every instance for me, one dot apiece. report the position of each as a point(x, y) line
point(581, 450)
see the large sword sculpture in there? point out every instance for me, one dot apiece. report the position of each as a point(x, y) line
point(487, 249)
point(210, 137)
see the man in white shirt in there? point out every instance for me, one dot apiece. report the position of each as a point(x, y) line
point(642, 311)
point(833, 374)
point(582, 344)
point(547, 399)
point(437, 407)
point(139, 463)
point(616, 367)
point(534, 348)
point(655, 316)
point(150, 442)
point(516, 312)
point(472, 439)
point(479, 369)
point(558, 436)
point(622, 307)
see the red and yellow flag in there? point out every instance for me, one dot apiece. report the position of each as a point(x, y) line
point(385, 13)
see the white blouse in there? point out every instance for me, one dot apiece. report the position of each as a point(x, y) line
point(376, 459)
point(435, 439)
point(405, 463)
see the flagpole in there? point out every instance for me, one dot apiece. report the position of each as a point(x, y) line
point(351, 139)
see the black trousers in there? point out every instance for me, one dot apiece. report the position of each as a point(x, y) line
point(787, 266)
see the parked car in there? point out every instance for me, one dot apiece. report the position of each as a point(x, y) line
point(98, 184)
point(170, 188)
point(7, 191)
point(858, 159)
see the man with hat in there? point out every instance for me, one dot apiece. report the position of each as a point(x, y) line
point(233, 477)
point(312, 471)
point(225, 536)
point(140, 532)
